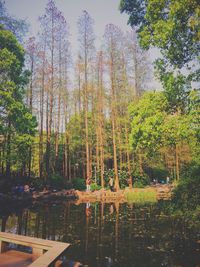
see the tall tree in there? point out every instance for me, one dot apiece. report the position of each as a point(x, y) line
point(17, 125)
point(53, 26)
point(99, 115)
point(112, 36)
point(171, 26)
point(86, 40)
point(17, 26)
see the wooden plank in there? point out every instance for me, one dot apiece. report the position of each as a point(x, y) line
point(14, 258)
point(3, 246)
point(37, 252)
point(50, 256)
point(27, 241)
point(54, 249)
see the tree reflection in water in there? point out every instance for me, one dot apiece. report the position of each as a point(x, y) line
point(109, 234)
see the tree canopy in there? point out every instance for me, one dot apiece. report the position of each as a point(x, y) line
point(17, 125)
point(172, 26)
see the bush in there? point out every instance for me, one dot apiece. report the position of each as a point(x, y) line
point(79, 184)
point(138, 184)
point(140, 181)
point(186, 194)
point(56, 181)
point(37, 183)
point(94, 187)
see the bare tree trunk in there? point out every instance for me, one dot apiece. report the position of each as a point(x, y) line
point(8, 151)
point(100, 125)
point(59, 105)
point(51, 100)
point(128, 158)
point(31, 109)
point(177, 163)
point(140, 163)
point(97, 149)
point(86, 120)
point(41, 161)
point(79, 89)
point(113, 118)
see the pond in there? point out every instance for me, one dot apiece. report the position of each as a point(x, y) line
point(109, 234)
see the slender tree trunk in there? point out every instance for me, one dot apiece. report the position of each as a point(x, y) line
point(79, 89)
point(86, 119)
point(128, 158)
point(177, 163)
point(97, 149)
point(41, 161)
point(50, 100)
point(140, 163)
point(100, 125)
point(48, 140)
point(59, 105)
point(113, 118)
point(8, 151)
point(31, 109)
point(120, 146)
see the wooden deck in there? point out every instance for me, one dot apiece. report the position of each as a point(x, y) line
point(44, 252)
point(14, 258)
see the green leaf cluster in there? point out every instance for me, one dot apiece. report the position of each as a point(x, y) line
point(17, 124)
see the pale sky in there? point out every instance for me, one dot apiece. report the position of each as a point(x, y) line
point(102, 11)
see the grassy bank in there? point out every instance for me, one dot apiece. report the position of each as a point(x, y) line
point(141, 196)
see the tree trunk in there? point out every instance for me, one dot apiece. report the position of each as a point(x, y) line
point(8, 151)
point(128, 158)
point(41, 161)
point(113, 118)
point(177, 163)
point(140, 163)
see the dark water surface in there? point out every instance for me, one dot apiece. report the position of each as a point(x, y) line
point(112, 234)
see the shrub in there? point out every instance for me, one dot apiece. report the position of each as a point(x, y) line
point(140, 181)
point(56, 181)
point(186, 194)
point(79, 184)
point(95, 186)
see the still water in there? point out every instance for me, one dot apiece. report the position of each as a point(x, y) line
point(109, 234)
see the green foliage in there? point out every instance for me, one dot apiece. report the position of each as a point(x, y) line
point(79, 184)
point(140, 181)
point(11, 55)
point(147, 117)
point(56, 181)
point(171, 26)
point(94, 187)
point(107, 175)
point(186, 194)
point(176, 86)
point(17, 124)
point(176, 128)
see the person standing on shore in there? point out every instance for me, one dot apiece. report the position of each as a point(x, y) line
point(111, 184)
point(88, 185)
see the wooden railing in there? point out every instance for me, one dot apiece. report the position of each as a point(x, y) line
point(44, 252)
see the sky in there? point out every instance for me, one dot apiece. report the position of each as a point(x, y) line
point(102, 11)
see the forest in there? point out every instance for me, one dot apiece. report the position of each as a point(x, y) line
point(65, 118)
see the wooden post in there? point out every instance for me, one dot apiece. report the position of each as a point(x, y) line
point(3, 246)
